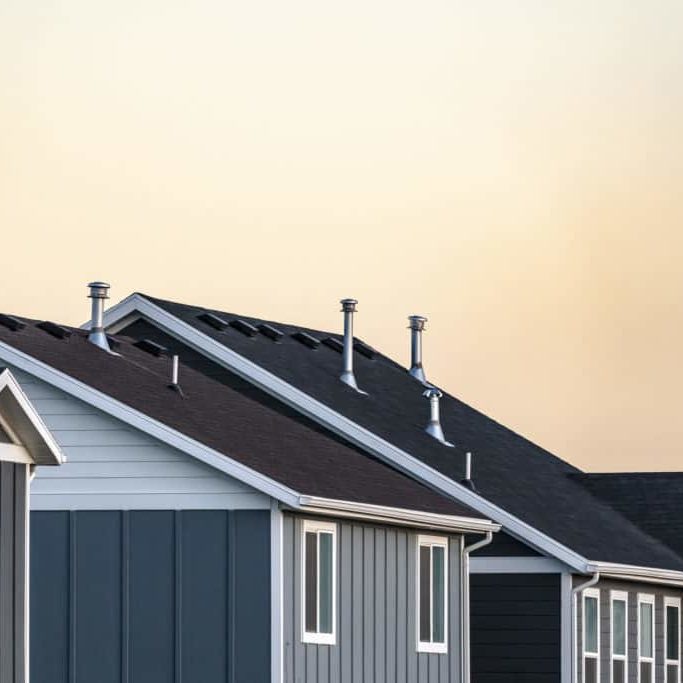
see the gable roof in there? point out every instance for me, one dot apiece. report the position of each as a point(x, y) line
point(518, 483)
point(24, 423)
point(300, 457)
point(652, 500)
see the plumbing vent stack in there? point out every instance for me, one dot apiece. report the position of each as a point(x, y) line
point(434, 427)
point(417, 325)
point(467, 481)
point(98, 294)
point(174, 371)
point(347, 376)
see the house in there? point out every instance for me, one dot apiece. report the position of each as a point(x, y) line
point(579, 586)
point(201, 531)
point(25, 444)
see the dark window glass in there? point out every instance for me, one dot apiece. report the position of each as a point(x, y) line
point(591, 625)
point(591, 670)
point(325, 582)
point(672, 673)
point(645, 630)
point(425, 615)
point(619, 627)
point(311, 589)
point(672, 632)
point(438, 588)
point(645, 672)
point(618, 671)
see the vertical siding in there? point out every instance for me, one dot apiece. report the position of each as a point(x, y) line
point(12, 572)
point(515, 628)
point(150, 597)
point(632, 589)
point(376, 637)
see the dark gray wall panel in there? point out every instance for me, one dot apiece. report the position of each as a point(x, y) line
point(515, 628)
point(12, 571)
point(150, 597)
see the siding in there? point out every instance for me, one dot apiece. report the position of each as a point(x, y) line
point(632, 647)
point(376, 637)
point(150, 597)
point(515, 628)
point(111, 466)
point(12, 572)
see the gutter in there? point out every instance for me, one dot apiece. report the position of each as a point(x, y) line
point(575, 593)
point(629, 572)
point(465, 656)
point(391, 515)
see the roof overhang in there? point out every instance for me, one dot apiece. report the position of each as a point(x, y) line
point(391, 515)
point(136, 306)
point(627, 572)
point(32, 441)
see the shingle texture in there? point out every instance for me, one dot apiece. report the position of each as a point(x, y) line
point(293, 452)
point(508, 469)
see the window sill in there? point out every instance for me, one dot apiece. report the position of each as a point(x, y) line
point(433, 648)
point(319, 638)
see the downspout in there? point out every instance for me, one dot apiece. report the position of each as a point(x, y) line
point(31, 472)
point(575, 644)
point(465, 602)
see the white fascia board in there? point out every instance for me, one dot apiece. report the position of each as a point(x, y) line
point(35, 423)
point(392, 515)
point(634, 573)
point(136, 304)
point(12, 452)
point(516, 565)
point(147, 425)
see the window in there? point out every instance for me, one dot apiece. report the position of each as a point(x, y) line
point(619, 636)
point(672, 639)
point(319, 582)
point(646, 638)
point(432, 594)
point(591, 635)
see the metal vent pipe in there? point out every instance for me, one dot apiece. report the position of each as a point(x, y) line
point(99, 293)
point(347, 376)
point(434, 426)
point(417, 325)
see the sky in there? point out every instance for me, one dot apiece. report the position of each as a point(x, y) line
point(511, 170)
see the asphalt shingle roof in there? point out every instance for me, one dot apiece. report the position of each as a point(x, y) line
point(508, 469)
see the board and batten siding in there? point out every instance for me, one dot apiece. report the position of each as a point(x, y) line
point(156, 596)
point(113, 466)
point(376, 610)
point(13, 529)
point(632, 588)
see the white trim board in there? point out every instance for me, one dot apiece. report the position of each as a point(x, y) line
point(137, 305)
point(516, 565)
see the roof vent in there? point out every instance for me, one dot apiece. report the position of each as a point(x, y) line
point(333, 343)
point(244, 327)
point(434, 426)
point(213, 321)
point(174, 376)
point(152, 347)
point(11, 323)
point(98, 294)
point(417, 325)
point(55, 330)
point(347, 376)
point(467, 481)
point(271, 332)
point(306, 339)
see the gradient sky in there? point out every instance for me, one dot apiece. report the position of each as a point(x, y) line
point(512, 170)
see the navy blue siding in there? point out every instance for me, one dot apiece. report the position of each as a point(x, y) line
point(150, 597)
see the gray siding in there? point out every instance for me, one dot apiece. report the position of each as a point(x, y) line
point(150, 597)
point(13, 587)
point(632, 589)
point(111, 466)
point(376, 636)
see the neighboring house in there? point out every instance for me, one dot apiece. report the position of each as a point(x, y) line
point(24, 444)
point(577, 587)
point(202, 532)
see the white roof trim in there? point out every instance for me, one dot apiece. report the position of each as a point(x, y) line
point(392, 515)
point(635, 573)
point(25, 424)
point(387, 452)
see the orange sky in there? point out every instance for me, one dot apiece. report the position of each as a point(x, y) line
point(514, 171)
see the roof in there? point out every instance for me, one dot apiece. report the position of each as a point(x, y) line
point(25, 425)
point(509, 470)
point(652, 500)
point(298, 455)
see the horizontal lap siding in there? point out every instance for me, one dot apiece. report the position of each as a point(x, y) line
point(515, 628)
point(13, 478)
point(111, 466)
point(150, 597)
point(376, 602)
point(632, 589)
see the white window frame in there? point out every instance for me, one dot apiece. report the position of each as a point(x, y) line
point(618, 596)
point(648, 599)
point(672, 602)
point(314, 636)
point(431, 541)
point(590, 593)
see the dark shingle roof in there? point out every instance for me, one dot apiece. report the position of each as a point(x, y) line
point(297, 454)
point(508, 469)
point(652, 500)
